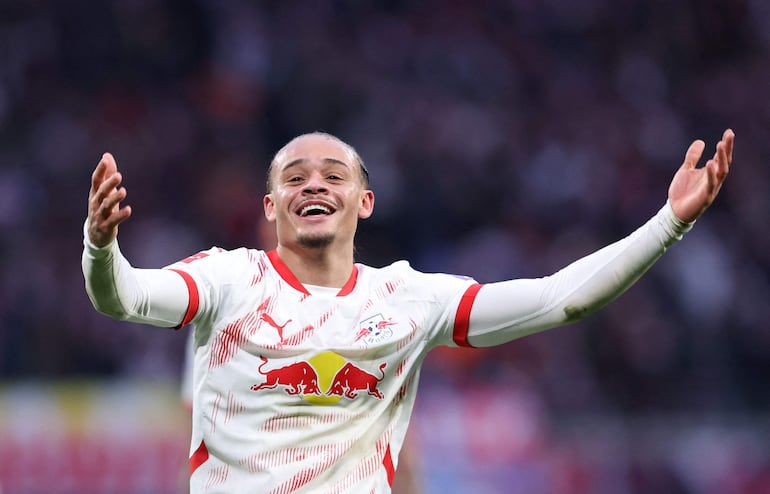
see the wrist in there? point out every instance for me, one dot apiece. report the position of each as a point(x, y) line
point(673, 226)
point(96, 251)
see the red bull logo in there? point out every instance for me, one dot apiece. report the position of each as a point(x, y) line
point(324, 379)
point(349, 380)
point(296, 378)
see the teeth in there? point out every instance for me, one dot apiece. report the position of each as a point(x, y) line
point(314, 208)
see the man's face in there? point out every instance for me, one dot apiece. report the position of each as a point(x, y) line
point(317, 193)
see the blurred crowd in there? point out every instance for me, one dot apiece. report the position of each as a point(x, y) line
point(504, 139)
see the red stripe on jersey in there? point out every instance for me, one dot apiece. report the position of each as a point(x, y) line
point(199, 457)
point(350, 284)
point(194, 302)
point(387, 462)
point(463, 316)
point(285, 273)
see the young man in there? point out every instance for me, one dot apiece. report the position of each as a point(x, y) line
point(306, 363)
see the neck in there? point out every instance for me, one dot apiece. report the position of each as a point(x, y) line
point(330, 267)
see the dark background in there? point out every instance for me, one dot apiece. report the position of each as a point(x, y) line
point(504, 139)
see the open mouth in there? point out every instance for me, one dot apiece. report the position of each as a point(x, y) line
point(315, 209)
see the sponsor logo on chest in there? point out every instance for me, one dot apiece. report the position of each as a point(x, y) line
point(324, 379)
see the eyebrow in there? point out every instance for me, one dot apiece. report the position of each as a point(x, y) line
point(327, 161)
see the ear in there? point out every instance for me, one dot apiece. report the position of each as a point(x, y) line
point(269, 206)
point(366, 208)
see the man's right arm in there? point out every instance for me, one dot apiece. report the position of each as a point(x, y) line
point(153, 296)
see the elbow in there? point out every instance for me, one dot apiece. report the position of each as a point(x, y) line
point(574, 313)
point(111, 312)
point(109, 308)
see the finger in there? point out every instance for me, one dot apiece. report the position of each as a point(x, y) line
point(105, 218)
point(104, 169)
point(105, 189)
point(111, 202)
point(119, 216)
point(694, 152)
point(97, 177)
point(107, 199)
point(729, 139)
point(712, 168)
point(715, 178)
point(111, 165)
point(722, 165)
point(721, 152)
point(102, 231)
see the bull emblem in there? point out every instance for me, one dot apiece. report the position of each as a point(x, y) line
point(296, 378)
point(350, 379)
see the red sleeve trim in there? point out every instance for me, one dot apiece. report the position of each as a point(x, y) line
point(194, 302)
point(463, 316)
point(387, 462)
point(199, 457)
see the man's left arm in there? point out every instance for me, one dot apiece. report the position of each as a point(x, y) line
point(504, 311)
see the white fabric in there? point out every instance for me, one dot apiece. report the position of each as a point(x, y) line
point(150, 296)
point(511, 309)
point(295, 392)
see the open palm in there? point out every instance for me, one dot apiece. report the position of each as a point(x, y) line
point(693, 189)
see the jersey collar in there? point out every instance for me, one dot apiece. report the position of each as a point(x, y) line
point(285, 273)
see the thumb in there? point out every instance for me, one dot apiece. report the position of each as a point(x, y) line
point(693, 154)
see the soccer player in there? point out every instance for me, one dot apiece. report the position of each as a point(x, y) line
point(306, 363)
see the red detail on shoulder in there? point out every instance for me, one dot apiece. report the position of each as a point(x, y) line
point(285, 273)
point(199, 457)
point(195, 257)
point(387, 462)
point(463, 316)
point(194, 302)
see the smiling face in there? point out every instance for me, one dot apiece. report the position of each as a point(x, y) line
point(317, 193)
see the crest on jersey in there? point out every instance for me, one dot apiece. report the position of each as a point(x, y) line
point(375, 330)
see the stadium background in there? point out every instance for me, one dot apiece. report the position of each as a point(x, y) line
point(504, 138)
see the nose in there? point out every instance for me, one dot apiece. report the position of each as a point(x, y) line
point(315, 184)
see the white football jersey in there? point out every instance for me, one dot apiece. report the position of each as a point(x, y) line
point(307, 389)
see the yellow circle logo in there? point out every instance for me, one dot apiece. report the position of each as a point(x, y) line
point(326, 365)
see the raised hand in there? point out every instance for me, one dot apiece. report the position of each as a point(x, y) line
point(104, 210)
point(692, 189)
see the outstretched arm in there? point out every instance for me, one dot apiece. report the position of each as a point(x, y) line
point(153, 296)
point(507, 310)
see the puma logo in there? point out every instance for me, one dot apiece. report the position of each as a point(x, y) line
point(278, 327)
